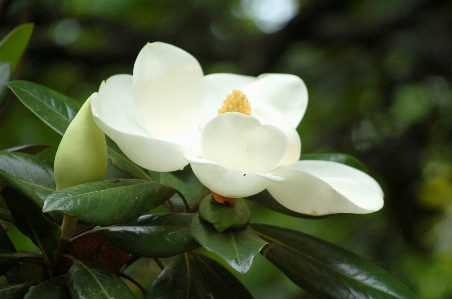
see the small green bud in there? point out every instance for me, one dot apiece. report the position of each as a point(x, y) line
point(82, 154)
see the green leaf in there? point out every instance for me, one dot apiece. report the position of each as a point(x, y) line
point(238, 247)
point(265, 199)
point(121, 162)
point(196, 276)
point(28, 174)
point(157, 235)
point(5, 76)
point(7, 251)
point(339, 158)
point(105, 202)
point(30, 220)
point(326, 270)
point(89, 281)
point(54, 288)
point(14, 290)
point(224, 216)
point(53, 108)
point(13, 46)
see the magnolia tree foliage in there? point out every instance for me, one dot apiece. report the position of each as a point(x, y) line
point(196, 160)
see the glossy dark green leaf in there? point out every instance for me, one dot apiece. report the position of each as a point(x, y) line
point(7, 252)
point(32, 222)
point(106, 203)
point(13, 46)
point(339, 158)
point(265, 199)
point(5, 76)
point(121, 162)
point(54, 288)
point(31, 175)
point(154, 235)
point(185, 181)
point(53, 108)
point(224, 216)
point(238, 247)
point(14, 290)
point(196, 276)
point(327, 270)
point(89, 281)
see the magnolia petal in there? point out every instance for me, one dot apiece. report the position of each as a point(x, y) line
point(168, 90)
point(305, 193)
point(112, 114)
point(227, 182)
point(136, 144)
point(286, 93)
point(239, 142)
point(119, 88)
point(327, 170)
point(267, 115)
point(217, 87)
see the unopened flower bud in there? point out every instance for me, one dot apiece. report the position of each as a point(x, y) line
point(82, 154)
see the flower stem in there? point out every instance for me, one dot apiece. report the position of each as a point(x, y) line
point(131, 279)
point(186, 206)
point(67, 230)
point(159, 263)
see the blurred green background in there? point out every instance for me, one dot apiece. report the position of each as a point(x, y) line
point(379, 76)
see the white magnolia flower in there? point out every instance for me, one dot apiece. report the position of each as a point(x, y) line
point(166, 115)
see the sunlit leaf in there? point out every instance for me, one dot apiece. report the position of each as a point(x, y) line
point(327, 270)
point(89, 281)
point(30, 220)
point(339, 158)
point(224, 216)
point(14, 290)
point(156, 235)
point(238, 247)
point(196, 276)
point(13, 46)
point(106, 202)
point(31, 175)
point(53, 108)
point(54, 288)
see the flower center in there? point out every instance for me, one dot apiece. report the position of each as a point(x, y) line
point(236, 102)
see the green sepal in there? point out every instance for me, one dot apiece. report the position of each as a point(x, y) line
point(225, 215)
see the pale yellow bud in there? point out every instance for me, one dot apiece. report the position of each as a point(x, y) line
point(82, 154)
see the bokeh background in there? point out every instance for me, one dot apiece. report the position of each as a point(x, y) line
point(379, 75)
